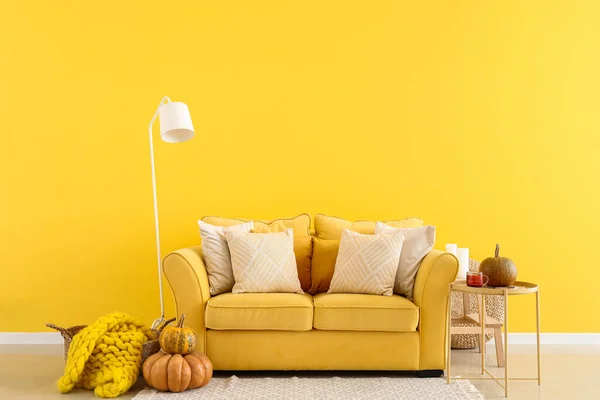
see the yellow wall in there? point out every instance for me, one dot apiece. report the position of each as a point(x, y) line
point(481, 117)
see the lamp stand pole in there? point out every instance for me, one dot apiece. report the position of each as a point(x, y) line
point(157, 321)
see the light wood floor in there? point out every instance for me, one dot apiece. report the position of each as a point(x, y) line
point(568, 372)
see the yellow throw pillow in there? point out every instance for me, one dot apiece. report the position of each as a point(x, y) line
point(330, 228)
point(323, 264)
point(263, 262)
point(300, 224)
point(366, 263)
point(303, 249)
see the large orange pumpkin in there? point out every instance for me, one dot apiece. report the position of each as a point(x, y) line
point(501, 271)
point(177, 339)
point(176, 373)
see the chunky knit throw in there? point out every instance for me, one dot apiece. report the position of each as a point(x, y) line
point(106, 356)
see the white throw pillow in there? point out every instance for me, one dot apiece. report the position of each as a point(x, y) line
point(366, 263)
point(216, 255)
point(418, 243)
point(263, 262)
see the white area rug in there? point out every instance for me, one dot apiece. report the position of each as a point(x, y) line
point(374, 388)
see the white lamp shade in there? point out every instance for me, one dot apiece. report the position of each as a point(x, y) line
point(175, 122)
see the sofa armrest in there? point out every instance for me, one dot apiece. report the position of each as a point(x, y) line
point(436, 272)
point(186, 274)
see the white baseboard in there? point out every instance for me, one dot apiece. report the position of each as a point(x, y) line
point(554, 338)
point(30, 338)
point(513, 338)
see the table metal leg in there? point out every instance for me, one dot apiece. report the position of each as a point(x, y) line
point(479, 302)
point(505, 343)
point(482, 342)
point(449, 335)
point(539, 358)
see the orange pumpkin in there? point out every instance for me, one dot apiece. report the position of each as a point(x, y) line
point(177, 339)
point(176, 373)
point(501, 271)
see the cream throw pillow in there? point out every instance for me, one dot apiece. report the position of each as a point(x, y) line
point(217, 257)
point(366, 263)
point(263, 262)
point(418, 243)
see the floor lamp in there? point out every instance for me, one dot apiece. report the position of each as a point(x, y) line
point(175, 127)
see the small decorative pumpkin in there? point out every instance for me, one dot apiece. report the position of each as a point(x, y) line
point(176, 373)
point(500, 270)
point(177, 339)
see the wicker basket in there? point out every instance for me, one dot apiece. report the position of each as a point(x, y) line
point(494, 306)
point(148, 348)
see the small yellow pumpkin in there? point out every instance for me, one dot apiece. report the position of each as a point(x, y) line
point(177, 339)
point(176, 373)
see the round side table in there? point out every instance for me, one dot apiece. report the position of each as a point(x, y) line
point(519, 288)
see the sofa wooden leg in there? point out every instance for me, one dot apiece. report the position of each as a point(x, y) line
point(430, 373)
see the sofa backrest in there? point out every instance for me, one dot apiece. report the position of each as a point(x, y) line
point(330, 228)
point(315, 255)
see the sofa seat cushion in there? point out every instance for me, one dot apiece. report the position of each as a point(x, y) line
point(260, 311)
point(365, 312)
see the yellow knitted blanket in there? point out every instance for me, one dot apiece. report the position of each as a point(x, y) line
point(106, 356)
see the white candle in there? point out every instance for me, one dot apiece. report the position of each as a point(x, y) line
point(462, 254)
point(451, 248)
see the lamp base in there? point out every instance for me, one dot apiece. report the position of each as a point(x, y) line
point(157, 322)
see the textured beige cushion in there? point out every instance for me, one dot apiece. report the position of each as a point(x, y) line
point(263, 262)
point(216, 255)
point(366, 263)
point(418, 242)
point(302, 238)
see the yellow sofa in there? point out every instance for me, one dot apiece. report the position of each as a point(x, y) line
point(288, 331)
